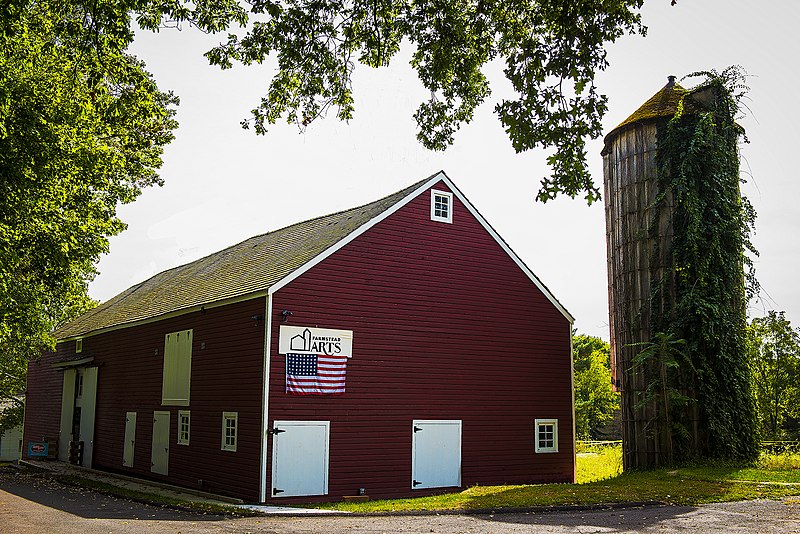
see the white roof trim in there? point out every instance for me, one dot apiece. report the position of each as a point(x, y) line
point(422, 188)
point(538, 283)
point(167, 315)
point(353, 235)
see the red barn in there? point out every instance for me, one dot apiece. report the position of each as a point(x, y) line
point(392, 349)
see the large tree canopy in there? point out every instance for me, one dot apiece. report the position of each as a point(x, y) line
point(595, 400)
point(773, 352)
point(551, 51)
point(82, 127)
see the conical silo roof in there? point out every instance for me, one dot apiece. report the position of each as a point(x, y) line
point(661, 105)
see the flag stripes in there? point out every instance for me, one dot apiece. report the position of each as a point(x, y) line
point(311, 374)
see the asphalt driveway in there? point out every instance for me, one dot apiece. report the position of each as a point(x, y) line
point(34, 502)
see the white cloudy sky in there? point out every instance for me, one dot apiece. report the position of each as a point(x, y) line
point(224, 184)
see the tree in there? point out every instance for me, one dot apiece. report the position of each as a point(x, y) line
point(82, 126)
point(595, 400)
point(773, 347)
point(551, 51)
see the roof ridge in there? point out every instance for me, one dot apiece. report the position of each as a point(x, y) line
point(229, 247)
point(234, 273)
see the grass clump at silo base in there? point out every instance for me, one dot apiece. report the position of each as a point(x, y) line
point(598, 463)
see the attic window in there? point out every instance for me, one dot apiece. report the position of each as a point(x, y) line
point(78, 345)
point(441, 206)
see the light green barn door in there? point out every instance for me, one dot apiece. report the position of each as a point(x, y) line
point(159, 462)
point(130, 439)
point(67, 411)
point(88, 402)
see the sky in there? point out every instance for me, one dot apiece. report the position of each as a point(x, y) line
point(224, 184)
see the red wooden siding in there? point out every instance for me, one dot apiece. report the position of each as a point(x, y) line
point(43, 400)
point(446, 326)
point(227, 375)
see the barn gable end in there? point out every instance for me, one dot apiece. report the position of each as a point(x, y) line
point(446, 327)
point(453, 336)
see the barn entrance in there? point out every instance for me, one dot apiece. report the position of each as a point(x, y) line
point(78, 399)
point(159, 454)
point(300, 458)
point(130, 439)
point(435, 454)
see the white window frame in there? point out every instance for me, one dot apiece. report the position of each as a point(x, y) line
point(434, 216)
point(181, 415)
point(79, 345)
point(177, 375)
point(537, 428)
point(230, 416)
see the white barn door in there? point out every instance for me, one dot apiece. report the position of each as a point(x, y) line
point(88, 403)
point(67, 412)
point(435, 454)
point(300, 458)
point(159, 455)
point(130, 439)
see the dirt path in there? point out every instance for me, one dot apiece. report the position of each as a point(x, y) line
point(34, 504)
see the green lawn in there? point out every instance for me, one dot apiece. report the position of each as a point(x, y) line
point(600, 482)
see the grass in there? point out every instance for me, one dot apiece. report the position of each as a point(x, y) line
point(785, 460)
point(600, 481)
point(598, 463)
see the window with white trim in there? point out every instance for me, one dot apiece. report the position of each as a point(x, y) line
point(177, 375)
point(546, 435)
point(184, 420)
point(441, 206)
point(79, 345)
point(230, 427)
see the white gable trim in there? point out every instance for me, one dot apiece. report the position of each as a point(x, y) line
point(439, 176)
point(262, 494)
point(355, 234)
point(538, 283)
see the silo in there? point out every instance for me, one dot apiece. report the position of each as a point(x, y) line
point(638, 248)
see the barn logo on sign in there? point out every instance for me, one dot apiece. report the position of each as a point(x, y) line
point(311, 344)
point(309, 340)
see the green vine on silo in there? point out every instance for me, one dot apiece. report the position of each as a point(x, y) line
point(702, 297)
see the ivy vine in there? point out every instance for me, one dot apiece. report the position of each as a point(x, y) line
point(701, 297)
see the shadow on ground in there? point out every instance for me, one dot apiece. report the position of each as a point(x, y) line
point(609, 519)
point(41, 488)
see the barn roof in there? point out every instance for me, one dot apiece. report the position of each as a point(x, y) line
point(252, 267)
point(248, 267)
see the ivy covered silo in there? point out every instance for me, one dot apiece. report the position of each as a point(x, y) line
point(677, 228)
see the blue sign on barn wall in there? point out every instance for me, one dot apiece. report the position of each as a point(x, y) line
point(38, 448)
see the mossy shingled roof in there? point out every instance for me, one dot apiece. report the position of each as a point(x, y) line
point(663, 104)
point(252, 266)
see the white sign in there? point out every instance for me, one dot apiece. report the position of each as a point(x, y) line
point(310, 340)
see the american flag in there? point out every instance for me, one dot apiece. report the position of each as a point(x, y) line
point(311, 374)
